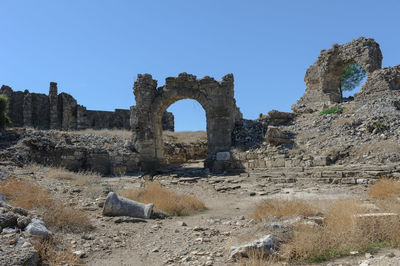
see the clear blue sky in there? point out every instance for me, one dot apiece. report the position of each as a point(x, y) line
point(94, 49)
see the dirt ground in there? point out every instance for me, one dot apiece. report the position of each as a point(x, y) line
point(200, 239)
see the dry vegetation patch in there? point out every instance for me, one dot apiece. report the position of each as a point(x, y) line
point(385, 188)
point(164, 199)
point(258, 258)
point(51, 253)
point(75, 178)
point(29, 195)
point(343, 228)
point(185, 137)
point(377, 147)
point(283, 208)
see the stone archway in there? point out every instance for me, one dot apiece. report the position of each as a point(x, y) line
point(216, 98)
point(323, 77)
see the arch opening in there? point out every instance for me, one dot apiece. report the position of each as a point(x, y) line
point(351, 79)
point(188, 142)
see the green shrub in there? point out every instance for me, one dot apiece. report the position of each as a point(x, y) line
point(378, 125)
point(332, 110)
point(4, 119)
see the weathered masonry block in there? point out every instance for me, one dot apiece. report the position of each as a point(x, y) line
point(216, 97)
point(61, 111)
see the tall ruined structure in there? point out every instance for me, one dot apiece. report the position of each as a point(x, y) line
point(216, 97)
point(61, 111)
point(323, 77)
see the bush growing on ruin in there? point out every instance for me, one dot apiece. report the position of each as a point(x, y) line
point(4, 119)
point(333, 110)
point(351, 77)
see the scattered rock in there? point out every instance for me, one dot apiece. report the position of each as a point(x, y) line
point(8, 220)
point(23, 222)
point(268, 244)
point(80, 253)
point(182, 223)
point(276, 137)
point(37, 229)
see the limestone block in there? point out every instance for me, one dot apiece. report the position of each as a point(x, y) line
point(279, 162)
point(260, 163)
point(320, 161)
point(275, 136)
point(268, 162)
point(288, 163)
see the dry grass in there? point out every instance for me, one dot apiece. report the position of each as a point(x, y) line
point(185, 137)
point(385, 188)
point(52, 255)
point(258, 258)
point(283, 208)
point(29, 195)
point(380, 146)
point(164, 199)
point(79, 178)
point(341, 233)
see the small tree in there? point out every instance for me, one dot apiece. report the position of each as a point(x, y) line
point(351, 77)
point(4, 119)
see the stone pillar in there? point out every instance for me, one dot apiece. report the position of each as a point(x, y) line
point(143, 135)
point(81, 117)
point(53, 99)
point(68, 111)
point(27, 110)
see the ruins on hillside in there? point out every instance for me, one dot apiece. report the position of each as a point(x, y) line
point(323, 77)
point(216, 97)
point(61, 111)
point(304, 144)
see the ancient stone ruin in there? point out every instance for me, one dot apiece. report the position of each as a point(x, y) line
point(216, 97)
point(297, 142)
point(61, 111)
point(262, 177)
point(323, 77)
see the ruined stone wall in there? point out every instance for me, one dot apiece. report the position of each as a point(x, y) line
point(106, 119)
point(168, 121)
point(323, 77)
point(40, 116)
point(61, 111)
point(15, 108)
point(27, 109)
